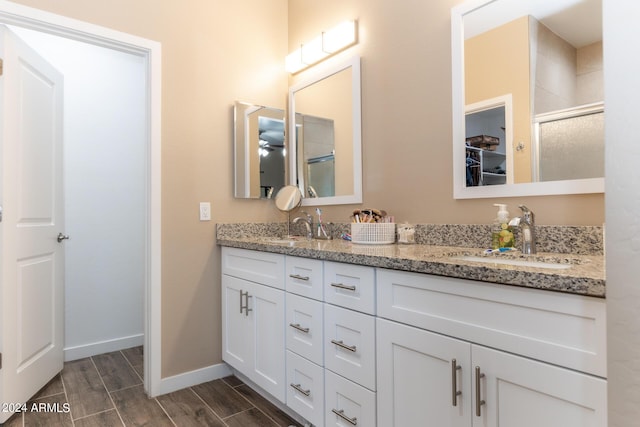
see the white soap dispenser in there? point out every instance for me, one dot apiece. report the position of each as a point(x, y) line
point(501, 232)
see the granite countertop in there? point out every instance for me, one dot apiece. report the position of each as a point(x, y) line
point(586, 276)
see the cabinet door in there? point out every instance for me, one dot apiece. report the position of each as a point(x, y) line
point(266, 306)
point(416, 380)
point(237, 325)
point(526, 393)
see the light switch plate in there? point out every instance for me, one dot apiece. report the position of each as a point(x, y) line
point(205, 211)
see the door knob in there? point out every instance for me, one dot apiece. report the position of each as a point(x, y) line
point(62, 237)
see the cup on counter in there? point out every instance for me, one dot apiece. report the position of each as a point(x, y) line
point(406, 234)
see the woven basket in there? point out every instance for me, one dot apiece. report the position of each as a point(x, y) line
point(373, 233)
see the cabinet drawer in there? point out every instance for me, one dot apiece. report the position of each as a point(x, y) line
point(347, 403)
point(563, 329)
point(304, 277)
point(260, 267)
point(349, 347)
point(305, 388)
point(350, 286)
point(304, 327)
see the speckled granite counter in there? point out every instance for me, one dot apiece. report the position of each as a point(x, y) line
point(586, 276)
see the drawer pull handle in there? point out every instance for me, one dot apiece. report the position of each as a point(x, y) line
point(343, 345)
point(298, 327)
point(298, 388)
point(479, 402)
point(340, 413)
point(299, 277)
point(245, 307)
point(454, 382)
point(342, 286)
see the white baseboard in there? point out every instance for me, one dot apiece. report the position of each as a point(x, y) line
point(191, 378)
point(92, 349)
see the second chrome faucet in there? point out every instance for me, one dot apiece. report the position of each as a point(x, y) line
point(526, 223)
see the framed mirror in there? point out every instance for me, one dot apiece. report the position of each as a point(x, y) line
point(325, 134)
point(527, 98)
point(259, 151)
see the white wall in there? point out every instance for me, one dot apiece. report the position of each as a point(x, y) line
point(622, 91)
point(104, 127)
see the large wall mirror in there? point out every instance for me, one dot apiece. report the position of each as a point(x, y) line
point(527, 98)
point(325, 134)
point(259, 151)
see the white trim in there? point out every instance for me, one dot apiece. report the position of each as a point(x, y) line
point(191, 378)
point(101, 347)
point(35, 19)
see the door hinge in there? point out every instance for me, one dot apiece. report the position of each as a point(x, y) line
point(1, 64)
point(0, 360)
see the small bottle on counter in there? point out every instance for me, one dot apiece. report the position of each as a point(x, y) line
point(501, 231)
point(406, 233)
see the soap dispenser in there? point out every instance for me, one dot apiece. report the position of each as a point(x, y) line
point(501, 232)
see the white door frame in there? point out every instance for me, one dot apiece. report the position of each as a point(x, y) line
point(35, 19)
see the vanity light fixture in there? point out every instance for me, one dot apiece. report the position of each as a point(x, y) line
point(326, 44)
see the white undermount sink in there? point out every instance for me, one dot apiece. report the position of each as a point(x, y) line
point(515, 262)
point(291, 241)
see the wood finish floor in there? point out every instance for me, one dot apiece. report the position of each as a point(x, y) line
point(106, 390)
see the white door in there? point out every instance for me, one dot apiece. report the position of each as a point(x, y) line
point(419, 384)
point(521, 392)
point(32, 259)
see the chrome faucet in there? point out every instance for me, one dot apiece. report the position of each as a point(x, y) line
point(527, 226)
point(308, 222)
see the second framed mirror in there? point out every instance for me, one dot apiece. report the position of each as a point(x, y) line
point(325, 134)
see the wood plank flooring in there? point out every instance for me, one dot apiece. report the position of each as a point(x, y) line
point(106, 390)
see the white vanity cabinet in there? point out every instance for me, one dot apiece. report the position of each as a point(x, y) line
point(253, 317)
point(344, 345)
point(427, 378)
